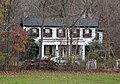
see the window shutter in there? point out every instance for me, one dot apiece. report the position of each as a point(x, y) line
point(50, 32)
point(83, 32)
point(63, 32)
point(44, 32)
point(78, 32)
point(37, 32)
point(90, 32)
point(44, 50)
point(57, 33)
point(97, 36)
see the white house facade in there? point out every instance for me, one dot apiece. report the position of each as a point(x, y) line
point(57, 36)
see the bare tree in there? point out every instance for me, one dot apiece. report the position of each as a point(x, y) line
point(11, 16)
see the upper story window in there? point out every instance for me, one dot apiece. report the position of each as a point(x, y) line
point(87, 33)
point(47, 32)
point(34, 32)
point(76, 33)
point(60, 32)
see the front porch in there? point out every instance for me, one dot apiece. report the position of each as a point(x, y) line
point(63, 51)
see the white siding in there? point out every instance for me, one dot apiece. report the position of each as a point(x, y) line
point(54, 40)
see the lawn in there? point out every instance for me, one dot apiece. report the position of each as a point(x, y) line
point(59, 78)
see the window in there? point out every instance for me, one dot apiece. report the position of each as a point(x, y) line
point(47, 32)
point(75, 33)
point(87, 33)
point(60, 32)
point(76, 49)
point(34, 32)
point(48, 50)
point(97, 36)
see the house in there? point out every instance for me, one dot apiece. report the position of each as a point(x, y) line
point(57, 34)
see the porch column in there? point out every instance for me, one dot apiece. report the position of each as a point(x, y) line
point(57, 52)
point(100, 37)
point(63, 53)
point(42, 50)
point(83, 52)
point(69, 51)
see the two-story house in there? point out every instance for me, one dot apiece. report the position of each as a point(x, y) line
point(57, 35)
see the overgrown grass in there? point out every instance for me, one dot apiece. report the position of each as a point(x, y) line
point(59, 78)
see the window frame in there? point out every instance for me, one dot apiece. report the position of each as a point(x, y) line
point(35, 32)
point(75, 34)
point(88, 34)
point(49, 34)
point(62, 33)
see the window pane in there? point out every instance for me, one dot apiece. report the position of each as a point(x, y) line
point(60, 30)
point(74, 31)
point(78, 33)
point(34, 32)
point(87, 31)
point(47, 30)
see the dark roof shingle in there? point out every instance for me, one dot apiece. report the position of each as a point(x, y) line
point(37, 21)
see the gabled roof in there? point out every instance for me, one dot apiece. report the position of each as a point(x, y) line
point(37, 21)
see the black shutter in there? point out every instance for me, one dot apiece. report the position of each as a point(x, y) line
point(90, 32)
point(21, 23)
point(63, 32)
point(50, 32)
point(83, 32)
point(97, 36)
point(44, 50)
point(37, 33)
point(50, 49)
point(43, 32)
point(78, 33)
point(57, 33)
